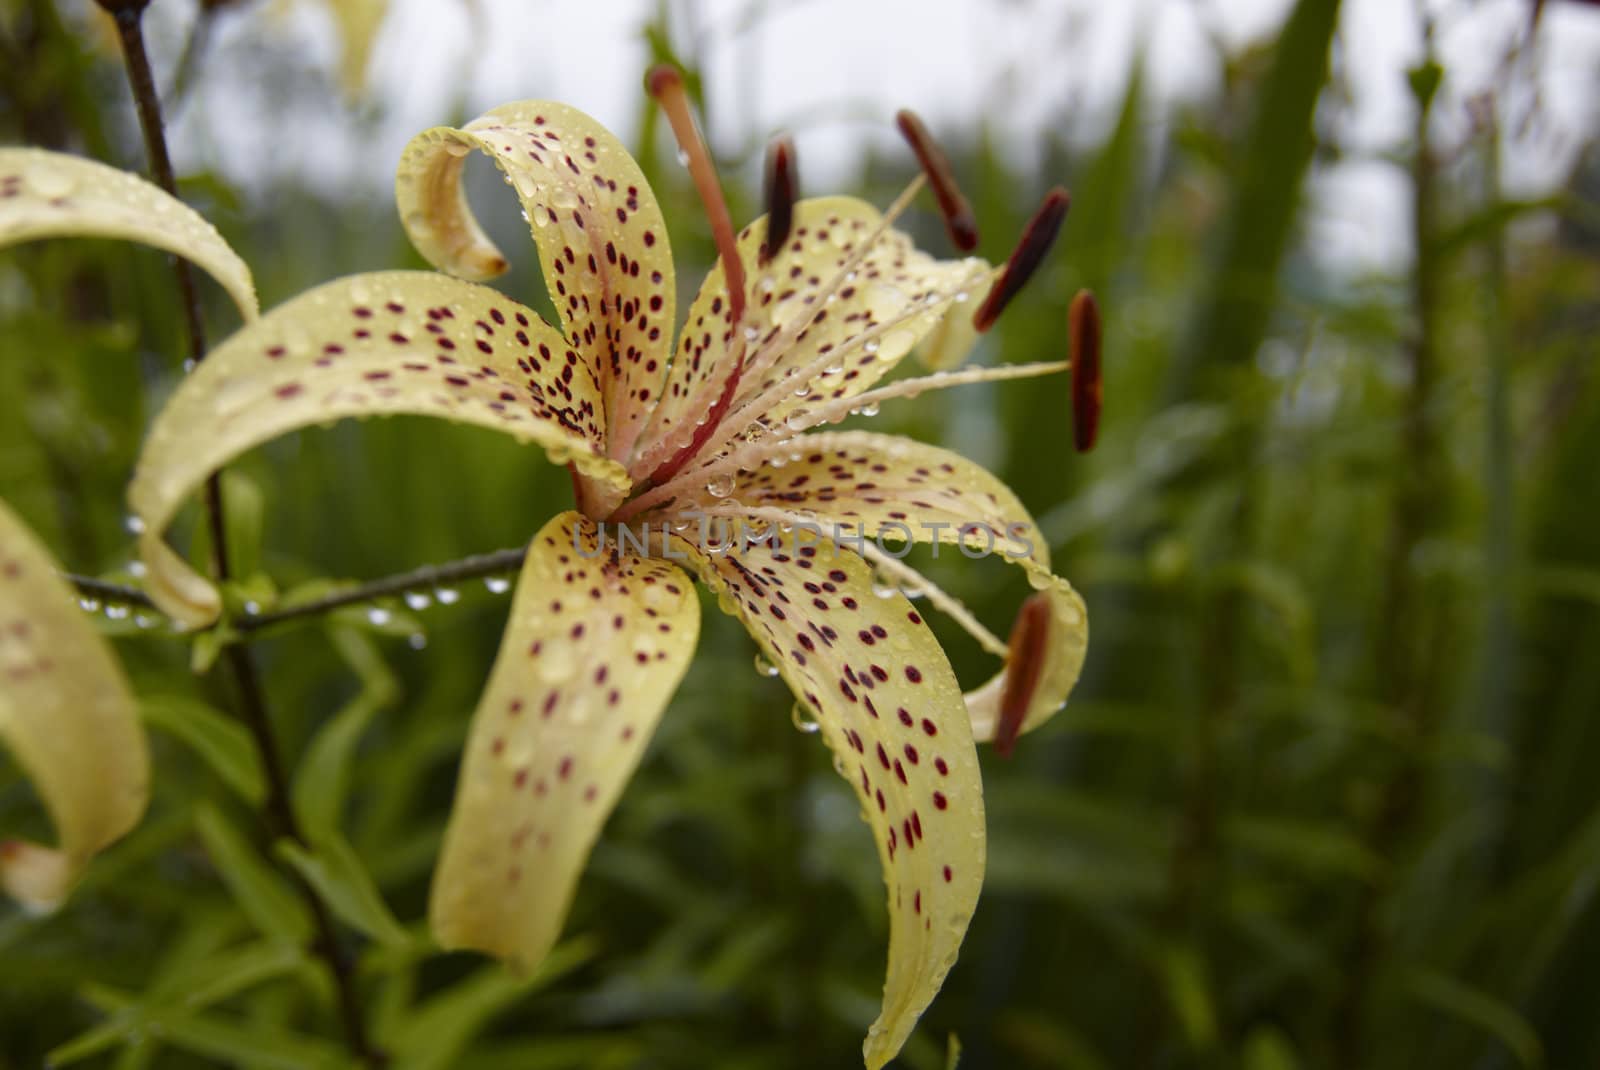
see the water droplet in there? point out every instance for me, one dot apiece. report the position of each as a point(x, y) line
point(89, 605)
point(497, 584)
point(379, 616)
point(802, 720)
point(416, 641)
point(869, 409)
point(115, 612)
point(541, 216)
point(457, 149)
point(252, 608)
point(961, 297)
point(49, 181)
point(417, 599)
point(144, 621)
point(870, 345)
point(883, 587)
point(803, 390)
point(564, 197)
point(765, 667)
point(189, 365)
point(751, 333)
point(447, 596)
point(134, 524)
point(683, 158)
point(798, 420)
point(720, 485)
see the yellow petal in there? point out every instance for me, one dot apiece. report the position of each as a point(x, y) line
point(368, 345)
point(898, 293)
point(602, 241)
point(358, 22)
point(53, 195)
point(597, 642)
point(888, 706)
point(903, 490)
point(68, 717)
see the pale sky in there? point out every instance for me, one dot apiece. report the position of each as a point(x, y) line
point(834, 71)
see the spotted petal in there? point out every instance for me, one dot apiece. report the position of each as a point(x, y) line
point(68, 717)
point(368, 345)
point(901, 490)
point(602, 241)
point(53, 195)
point(597, 643)
point(871, 673)
point(896, 295)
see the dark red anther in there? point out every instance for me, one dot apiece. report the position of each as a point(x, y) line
point(1037, 237)
point(959, 221)
point(1083, 324)
point(1025, 659)
point(783, 187)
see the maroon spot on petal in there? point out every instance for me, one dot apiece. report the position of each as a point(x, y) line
point(940, 801)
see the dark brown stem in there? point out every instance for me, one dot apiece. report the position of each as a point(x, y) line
point(115, 593)
point(279, 815)
point(418, 579)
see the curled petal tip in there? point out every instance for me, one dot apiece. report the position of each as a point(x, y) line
point(1084, 326)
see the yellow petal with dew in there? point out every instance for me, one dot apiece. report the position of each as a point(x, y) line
point(601, 238)
point(899, 490)
point(367, 345)
point(68, 717)
point(598, 639)
point(53, 195)
point(886, 701)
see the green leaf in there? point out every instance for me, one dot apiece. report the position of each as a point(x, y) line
point(439, 1030)
point(334, 869)
point(1183, 975)
point(1478, 1008)
point(1268, 1049)
point(263, 895)
point(221, 742)
point(321, 785)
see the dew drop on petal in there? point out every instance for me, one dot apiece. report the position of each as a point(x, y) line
point(720, 485)
point(798, 420)
point(765, 667)
point(89, 605)
point(869, 409)
point(803, 720)
point(541, 216)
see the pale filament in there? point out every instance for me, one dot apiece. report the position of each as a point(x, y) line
point(763, 358)
point(905, 576)
point(829, 411)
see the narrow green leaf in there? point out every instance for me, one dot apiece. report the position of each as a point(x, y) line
point(1478, 1008)
point(321, 785)
point(439, 1030)
point(263, 895)
point(221, 742)
point(336, 872)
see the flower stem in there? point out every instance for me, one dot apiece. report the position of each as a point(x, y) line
point(422, 578)
point(279, 816)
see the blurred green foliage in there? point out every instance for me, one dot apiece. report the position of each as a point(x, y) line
point(1325, 797)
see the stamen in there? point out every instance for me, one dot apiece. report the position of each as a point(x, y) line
point(735, 422)
point(959, 222)
point(666, 86)
point(783, 187)
point(839, 408)
point(1083, 322)
point(1025, 660)
point(1037, 237)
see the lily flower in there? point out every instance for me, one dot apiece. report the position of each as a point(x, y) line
point(782, 340)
